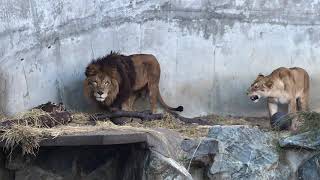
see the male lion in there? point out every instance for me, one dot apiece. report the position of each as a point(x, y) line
point(115, 80)
point(285, 86)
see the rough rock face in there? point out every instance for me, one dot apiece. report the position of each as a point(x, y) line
point(308, 140)
point(228, 152)
point(245, 153)
point(242, 152)
point(310, 170)
point(200, 152)
point(160, 167)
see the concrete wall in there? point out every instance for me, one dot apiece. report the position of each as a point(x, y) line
point(209, 51)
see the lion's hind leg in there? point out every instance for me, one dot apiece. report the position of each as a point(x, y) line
point(153, 96)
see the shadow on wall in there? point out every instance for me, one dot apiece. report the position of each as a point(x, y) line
point(74, 99)
point(3, 93)
point(314, 92)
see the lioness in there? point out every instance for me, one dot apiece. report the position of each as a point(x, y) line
point(285, 86)
point(115, 80)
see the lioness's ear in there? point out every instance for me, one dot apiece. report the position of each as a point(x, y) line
point(260, 75)
point(269, 84)
point(91, 70)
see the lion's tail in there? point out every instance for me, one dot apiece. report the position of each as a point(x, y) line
point(179, 108)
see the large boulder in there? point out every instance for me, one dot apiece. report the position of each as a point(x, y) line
point(201, 151)
point(307, 140)
point(159, 167)
point(310, 170)
point(245, 153)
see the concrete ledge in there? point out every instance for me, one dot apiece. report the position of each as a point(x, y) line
point(95, 138)
point(81, 140)
point(159, 140)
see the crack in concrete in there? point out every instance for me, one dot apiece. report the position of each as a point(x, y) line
point(26, 95)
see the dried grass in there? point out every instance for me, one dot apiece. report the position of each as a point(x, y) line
point(23, 135)
point(28, 138)
point(80, 118)
point(310, 121)
point(33, 113)
point(170, 122)
point(29, 118)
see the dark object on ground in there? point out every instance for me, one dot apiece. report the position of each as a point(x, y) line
point(199, 121)
point(120, 120)
point(279, 122)
point(51, 107)
point(46, 120)
point(144, 116)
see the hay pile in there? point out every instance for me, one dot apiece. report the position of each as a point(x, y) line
point(26, 137)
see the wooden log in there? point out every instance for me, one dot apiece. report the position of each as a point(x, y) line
point(147, 116)
point(144, 115)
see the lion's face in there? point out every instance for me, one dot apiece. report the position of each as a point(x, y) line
point(261, 87)
point(101, 86)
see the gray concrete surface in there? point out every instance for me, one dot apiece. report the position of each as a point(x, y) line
point(209, 51)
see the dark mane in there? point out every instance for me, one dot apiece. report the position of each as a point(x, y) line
point(125, 68)
point(107, 60)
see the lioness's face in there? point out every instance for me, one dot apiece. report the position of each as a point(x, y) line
point(100, 85)
point(259, 88)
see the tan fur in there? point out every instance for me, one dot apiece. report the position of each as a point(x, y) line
point(147, 77)
point(283, 86)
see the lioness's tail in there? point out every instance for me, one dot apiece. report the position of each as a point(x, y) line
point(179, 108)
